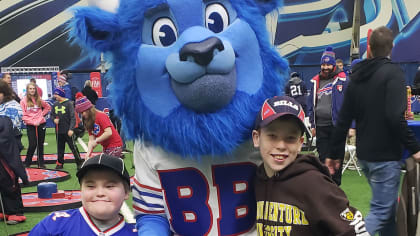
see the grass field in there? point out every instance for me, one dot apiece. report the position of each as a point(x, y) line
point(354, 186)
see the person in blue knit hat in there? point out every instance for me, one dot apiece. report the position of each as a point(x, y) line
point(324, 103)
point(65, 120)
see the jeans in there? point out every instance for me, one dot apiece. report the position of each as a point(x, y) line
point(36, 138)
point(384, 181)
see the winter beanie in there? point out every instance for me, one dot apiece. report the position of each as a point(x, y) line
point(62, 78)
point(328, 56)
point(60, 92)
point(82, 103)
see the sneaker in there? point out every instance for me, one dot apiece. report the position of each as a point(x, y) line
point(15, 219)
point(42, 166)
point(59, 166)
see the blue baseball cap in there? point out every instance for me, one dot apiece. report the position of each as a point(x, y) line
point(279, 106)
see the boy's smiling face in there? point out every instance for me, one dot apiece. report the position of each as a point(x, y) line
point(279, 142)
point(103, 193)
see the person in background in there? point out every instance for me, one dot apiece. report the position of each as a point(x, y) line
point(339, 65)
point(295, 88)
point(34, 111)
point(376, 99)
point(11, 168)
point(101, 131)
point(351, 138)
point(116, 121)
point(415, 89)
point(65, 120)
point(33, 80)
point(12, 109)
point(324, 103)
point(89, 92)
point(62, 82)
point(6, 77)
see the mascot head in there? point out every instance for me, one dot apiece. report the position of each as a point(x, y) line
point(188, 75)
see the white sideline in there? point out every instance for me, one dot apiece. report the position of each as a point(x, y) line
point(125, 210)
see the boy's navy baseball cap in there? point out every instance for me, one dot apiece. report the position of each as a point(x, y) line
point(113, 163)
point(276, 107)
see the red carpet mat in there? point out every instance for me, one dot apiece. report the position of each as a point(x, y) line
point(32, 203)
point(36, 176)
point(20, 234)
point(52, 158)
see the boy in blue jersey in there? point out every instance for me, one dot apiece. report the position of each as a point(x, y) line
point(104, 184)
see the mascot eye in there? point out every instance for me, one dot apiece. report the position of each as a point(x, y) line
point(217, 17)
point(164, 32)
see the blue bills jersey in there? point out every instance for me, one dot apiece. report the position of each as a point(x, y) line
point(77, 222)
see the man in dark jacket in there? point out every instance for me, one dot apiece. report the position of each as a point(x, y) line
point(11, 168)
point(89, 92)
point(376, 99)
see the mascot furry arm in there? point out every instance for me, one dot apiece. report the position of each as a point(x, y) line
point(188, 79)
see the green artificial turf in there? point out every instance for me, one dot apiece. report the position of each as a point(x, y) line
point(357, 190)
point(355, 186)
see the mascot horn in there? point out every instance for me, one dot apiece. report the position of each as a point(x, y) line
point(189, 77)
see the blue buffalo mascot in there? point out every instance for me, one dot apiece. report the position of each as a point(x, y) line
point(189, 77)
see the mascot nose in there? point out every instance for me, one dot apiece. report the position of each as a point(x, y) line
point(202, 52)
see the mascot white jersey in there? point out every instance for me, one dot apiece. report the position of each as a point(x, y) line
point(189, 77)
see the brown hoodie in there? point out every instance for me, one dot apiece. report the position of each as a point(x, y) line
point(303, 200)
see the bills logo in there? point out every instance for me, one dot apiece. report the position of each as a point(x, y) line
point(106, 111)
point(96, 129)
point(340, 88)
point(326, 90)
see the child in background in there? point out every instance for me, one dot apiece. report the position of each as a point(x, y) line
point(104, 185)
point(99, 127)
point(34, 111)
point(11, 168)
point(64, 118)
point(294, 192)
